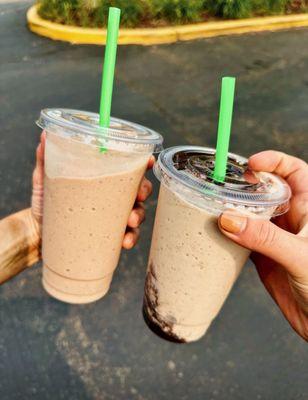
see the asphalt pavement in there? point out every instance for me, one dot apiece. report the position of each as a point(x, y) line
point(50, 350)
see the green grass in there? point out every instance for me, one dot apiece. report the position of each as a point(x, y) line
point(93, 13)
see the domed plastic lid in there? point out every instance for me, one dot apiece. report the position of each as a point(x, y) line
point(189, 171)
point(74, 122)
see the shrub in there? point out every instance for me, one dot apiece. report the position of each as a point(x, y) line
point(243, 8)
point(229, 8)
point(132, 11)
point(92, 12)
point(151, 12)
point(176, 11)
point(297, 6)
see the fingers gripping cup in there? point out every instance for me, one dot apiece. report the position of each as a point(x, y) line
point(92, 175)
point(192, 265)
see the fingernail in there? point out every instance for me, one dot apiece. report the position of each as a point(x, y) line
point(233, 223)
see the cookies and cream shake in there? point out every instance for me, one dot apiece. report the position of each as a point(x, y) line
point(91, 182)
point(192, 265)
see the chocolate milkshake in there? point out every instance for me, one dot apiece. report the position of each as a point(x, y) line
point(192, 266)
point(91, 183)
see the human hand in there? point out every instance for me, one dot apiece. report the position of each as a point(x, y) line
point(137, 216)
point(280, 247)
point(21, 232)
point(135, 219)
point(38, 182)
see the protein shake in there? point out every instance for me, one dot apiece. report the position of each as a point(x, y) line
point(192, 266)
point(91, 181)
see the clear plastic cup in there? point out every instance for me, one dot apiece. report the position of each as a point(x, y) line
point(92, 176)
point(192, 265)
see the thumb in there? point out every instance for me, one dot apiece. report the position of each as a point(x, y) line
point(264, 237)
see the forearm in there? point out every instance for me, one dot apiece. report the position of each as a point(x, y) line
point(19, 244)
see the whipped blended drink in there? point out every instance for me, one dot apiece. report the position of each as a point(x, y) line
point(192, 268)
point(91, 183)
point(192, 265)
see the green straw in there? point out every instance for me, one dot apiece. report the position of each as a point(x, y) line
point(109, 66)
point(224, 128)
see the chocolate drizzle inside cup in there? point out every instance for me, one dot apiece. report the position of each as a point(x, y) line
point(189, 169)
point(201, 165)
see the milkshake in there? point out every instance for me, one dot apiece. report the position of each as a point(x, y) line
point(91, 183)
point(192, 266)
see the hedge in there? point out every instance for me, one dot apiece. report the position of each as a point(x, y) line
point(93, 13)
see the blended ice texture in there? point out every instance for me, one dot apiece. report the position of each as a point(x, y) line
point(192, 268)
point(88, 197)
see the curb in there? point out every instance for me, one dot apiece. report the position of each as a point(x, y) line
point(150, 36)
